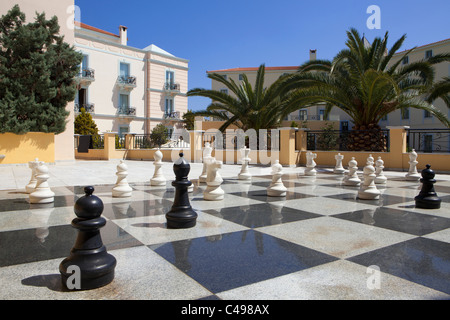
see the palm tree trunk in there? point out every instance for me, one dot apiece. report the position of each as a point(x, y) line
point(367, 138)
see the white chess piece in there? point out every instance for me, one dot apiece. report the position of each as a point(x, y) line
point(339, 169)
point(207, 150)
point(158, 178)
point(368, 189)
point(245, 174)
point(310, 164)
point(29, 188)
point(213, 190)
point(42, 193)
point(351, 178)
point(276, 187)
point(380, 178)
point(122, 189)
point(412, 174)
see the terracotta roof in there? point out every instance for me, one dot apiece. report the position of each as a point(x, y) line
point(425, 45)
point(254, 69)
point(85, 26)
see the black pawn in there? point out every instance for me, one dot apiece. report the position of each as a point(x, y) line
point(181, 214)
point(89, 255)
point(427, 198)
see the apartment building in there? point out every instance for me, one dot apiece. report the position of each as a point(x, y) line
point(414, 118)
point(126, 89)
point(315, 113)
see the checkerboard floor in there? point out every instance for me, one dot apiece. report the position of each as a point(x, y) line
point(318, 242)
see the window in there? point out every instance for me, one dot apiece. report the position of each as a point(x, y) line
point(124, 101)
point(344, 125)
point(170, 77)
point(124, 69)
point(405, 60)
point(123, 130)
point(426, 114)
point(303, 114)
point(322, 114)
point(428, 54)
point(405, 114)
point(241, 77)
point(224, 91)
point(384, 118)
point(169, 108)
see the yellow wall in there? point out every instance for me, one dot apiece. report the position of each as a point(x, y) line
point(27, 147)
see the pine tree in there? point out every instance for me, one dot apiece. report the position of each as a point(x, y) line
point(84, 124)
point(37, 69)
point(159, 135)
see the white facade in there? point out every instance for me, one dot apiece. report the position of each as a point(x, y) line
point(128, 89)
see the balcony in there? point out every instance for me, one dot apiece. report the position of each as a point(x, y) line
point(88, 107)
point(86, 76)
point(126, 112)
point(126, 82)
point(171, 88)
point(175, 115)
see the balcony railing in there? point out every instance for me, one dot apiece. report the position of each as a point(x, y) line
point(429, 140)
point(313, 117)
point(126, 111)
point(126, 82)
point(86, 76)
point(88, 107)
point(173, 87)
point(172, 115)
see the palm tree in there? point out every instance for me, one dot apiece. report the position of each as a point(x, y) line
point(365, 82)
point(251, 107)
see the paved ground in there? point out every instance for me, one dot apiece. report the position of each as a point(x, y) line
point(318, 242)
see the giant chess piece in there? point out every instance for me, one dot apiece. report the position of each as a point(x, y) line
point(276, 187)
point(427, 198)
point(181, 215)
point(245, 174)
point(339, 169)
point(412, 174)
point(42, 193)
point(93, 264)
point(158, 178)
point(310, 164)
point(380, 178)
point(213, 190)
point(368, 189)
point(207, 150)
point(29, 188)
point(351, 178)
point(122, 189)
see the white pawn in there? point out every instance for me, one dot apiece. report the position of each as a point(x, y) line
point(42, 193)
point(351, 178)
point(310, 164)
point(380, 177)
point(122, 189)
point(158, 178)
point(276, 188)
point(368, 189)
point(213, 190)
point(207, 150)
point(412, 174)
point(339, 169)
point(245, 174)
point(29, 188)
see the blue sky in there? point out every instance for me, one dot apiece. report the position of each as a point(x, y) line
point(215, 34)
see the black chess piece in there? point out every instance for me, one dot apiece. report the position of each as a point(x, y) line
point(181, 214)
point(427, 198)
point(89, 255)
